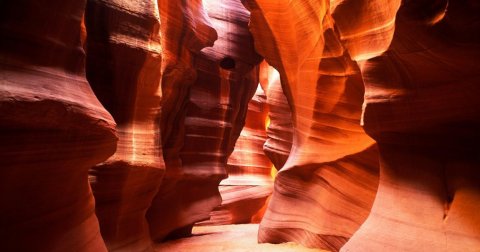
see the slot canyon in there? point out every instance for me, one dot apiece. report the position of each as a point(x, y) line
point(239, 125)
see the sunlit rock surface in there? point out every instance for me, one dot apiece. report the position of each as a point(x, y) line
point(123, 68)
point(221, 81)
point(249, 181)
point(52, 130)
point(185, 30)
point(332, 169)
point(422, 107)
point(280, 124)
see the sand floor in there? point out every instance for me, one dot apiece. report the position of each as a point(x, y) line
point(231, 238)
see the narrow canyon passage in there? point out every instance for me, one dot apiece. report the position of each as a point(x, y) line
point(239, 125)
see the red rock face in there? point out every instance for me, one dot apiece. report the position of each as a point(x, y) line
point(216, 84)
point(180, 37)
point(422, 109)
point(249, 181)
point(424, 126)
point(123, 68)
point(280, 126)
point(52, 130)
point(332, 168)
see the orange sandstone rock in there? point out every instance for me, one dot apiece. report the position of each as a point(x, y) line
point(249, 181)
point(123, 68)
point(211, 88)
point(421, 107)
point(280, 126)
point(326, 187)
point(185, 29)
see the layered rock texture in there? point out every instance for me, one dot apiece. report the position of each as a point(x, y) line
point(215, 83)
point(332, 169)
point(123, 68)
point(52, 130)
point(185, 30)
point(421, 107)
point(424, 126)
point(249, 181)
point(280, 126)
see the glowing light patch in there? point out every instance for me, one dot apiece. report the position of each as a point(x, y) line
point(273, 171)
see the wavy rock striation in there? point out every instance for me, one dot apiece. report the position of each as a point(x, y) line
point(123, 68)
point(52, 130)
point(421, 107)
point(208, 91)
point(280, 126)
point(332, 169)
point(249, 181)
point(185, 30)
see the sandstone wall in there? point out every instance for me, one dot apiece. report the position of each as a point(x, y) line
point(52, 130)
point(123, 68)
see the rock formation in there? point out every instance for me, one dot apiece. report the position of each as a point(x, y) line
point(123, 68)
point(280, 126)
point(185, 30)
point(421, 107)
point(333, 167)
point(52, 130)
point(217, 83)
point(249, 181)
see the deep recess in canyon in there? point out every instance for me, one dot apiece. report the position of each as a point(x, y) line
point(239, 125)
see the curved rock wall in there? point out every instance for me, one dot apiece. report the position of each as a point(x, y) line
point(217, 83)
point(249, 181)
point(52, 130)
point(280, 126)
point(421, 107)
point(185, 30)
point(416, 107)
point(123, 68)
point(332, 168)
